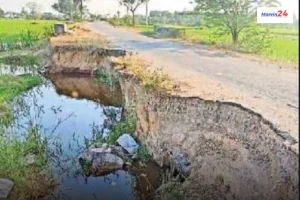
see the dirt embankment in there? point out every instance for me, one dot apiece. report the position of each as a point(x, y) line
point(233, 153)
point(80, 51)
point(228, 151)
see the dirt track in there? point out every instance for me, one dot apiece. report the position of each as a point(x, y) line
point(268, 89)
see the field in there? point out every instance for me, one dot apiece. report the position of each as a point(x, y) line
point(283, 47)
point(17, 34)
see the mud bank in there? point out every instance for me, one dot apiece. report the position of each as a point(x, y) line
point(79, 59)
point(225, 150)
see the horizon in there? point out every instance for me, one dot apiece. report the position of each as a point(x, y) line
point(111, 7)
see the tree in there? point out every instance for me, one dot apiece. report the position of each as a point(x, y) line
point(232, 15)
point(147, 12)
point(24, 13)
point(79, 5)
point(132, 6)
point(34, 9)
point(1, 13)
point(65, 7)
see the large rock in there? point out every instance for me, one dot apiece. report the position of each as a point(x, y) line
point(105, 148)
point(5, 188)
point(106, 163)
point(128, 143)
point(100, 161)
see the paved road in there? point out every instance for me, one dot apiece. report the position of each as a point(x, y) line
point(254, 79)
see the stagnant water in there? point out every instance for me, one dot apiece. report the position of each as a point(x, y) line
point(69, 110)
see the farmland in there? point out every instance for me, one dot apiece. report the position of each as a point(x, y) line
point(283, 46)
point(17, 34)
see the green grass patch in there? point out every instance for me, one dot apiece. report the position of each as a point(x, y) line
point(10, 87)
point(16, 26)
point(21, 60)
point(106, 77)
point(29, 182)
point(126, 125)
point(19, 34)
point(143, 154)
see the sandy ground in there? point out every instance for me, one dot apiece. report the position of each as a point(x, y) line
point(268, 89)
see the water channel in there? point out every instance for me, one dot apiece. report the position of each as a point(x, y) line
point(69, 110)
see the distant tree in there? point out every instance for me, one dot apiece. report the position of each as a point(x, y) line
point(65, 7)
point(147, 12)
point(79, 6)
point(34, 9)
point(232, 15)
point(132, 6)
point(2, 13)
point(24, 13)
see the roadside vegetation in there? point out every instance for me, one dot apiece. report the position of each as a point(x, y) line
point(236, 31)
point(151, 79)
point(277, 44)
point(23, 159)
point(30, 183)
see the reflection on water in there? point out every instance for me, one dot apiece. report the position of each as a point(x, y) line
point(67, 111)
point(87, 88)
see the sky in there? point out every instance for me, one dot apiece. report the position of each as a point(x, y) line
point(111, 6)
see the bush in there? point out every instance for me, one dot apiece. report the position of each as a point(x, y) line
point(255, 39)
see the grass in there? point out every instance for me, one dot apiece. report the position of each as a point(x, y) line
point(29, 182)
point(126, 125)
point(19, 34)
point(143, 154)
point(21, 60)
point(106, 77)
point(16, 26)
point(10, 87)
point(153, 80)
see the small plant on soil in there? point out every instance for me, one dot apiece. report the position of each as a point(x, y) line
point(126, 125)
point(21, 60)
point(170, 188)
point(155, 80)
point(106, 77)
point(143, 154)
point(30, 183)
point(10, 87)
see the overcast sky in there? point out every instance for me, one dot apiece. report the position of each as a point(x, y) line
point(112, 6)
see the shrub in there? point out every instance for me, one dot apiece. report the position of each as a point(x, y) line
point(255, 39)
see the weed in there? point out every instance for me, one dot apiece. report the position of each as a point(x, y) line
point(126, 125)
point(155, 80)
point(143, 154)
point(19, 34)
point(29, 182)
point(170, 188)
point(256, 39)
point(10, 87)
point(106, 77)
point(21, 60)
